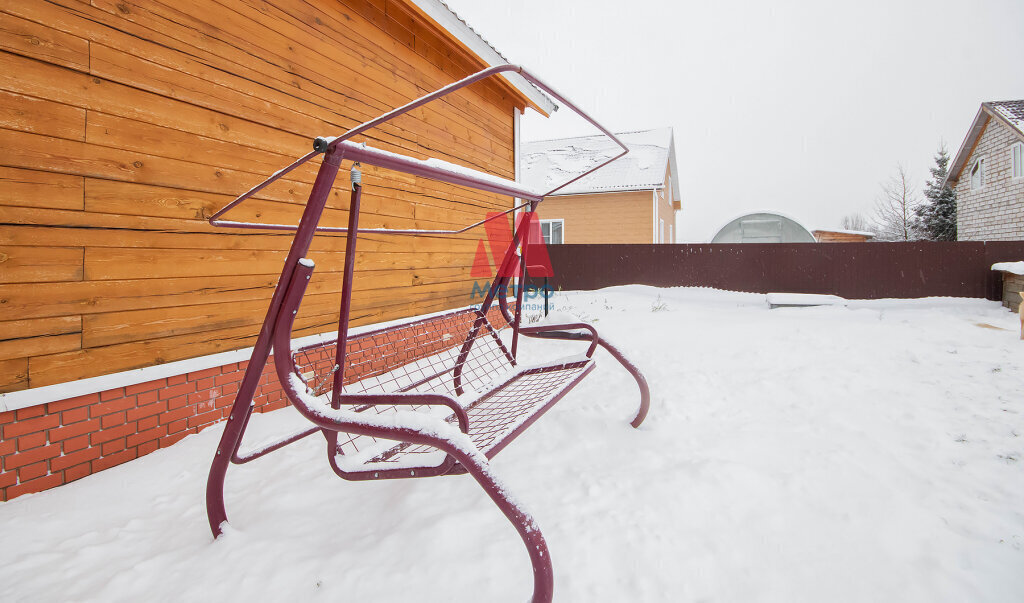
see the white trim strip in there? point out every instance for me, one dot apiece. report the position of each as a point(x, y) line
point(63, 391)
point(82, 387)
point(654, 215)
point(517, 149)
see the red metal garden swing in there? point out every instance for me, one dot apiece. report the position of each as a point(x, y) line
point(436, 396)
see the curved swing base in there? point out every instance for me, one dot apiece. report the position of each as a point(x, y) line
point(467, 460)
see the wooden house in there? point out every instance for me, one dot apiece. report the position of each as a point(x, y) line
point(124, 125)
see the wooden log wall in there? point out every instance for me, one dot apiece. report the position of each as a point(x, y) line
point(125, 123)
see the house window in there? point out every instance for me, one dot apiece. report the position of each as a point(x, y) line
point(551, 230)
point(978, 174)
point(1017, 160)
point(661, 231)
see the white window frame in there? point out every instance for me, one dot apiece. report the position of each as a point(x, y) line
point(671, 234)
point(661, 230)
point(1017, 168)
point(980, 164)
point(561, 222)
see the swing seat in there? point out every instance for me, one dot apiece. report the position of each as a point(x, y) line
point(500, 398)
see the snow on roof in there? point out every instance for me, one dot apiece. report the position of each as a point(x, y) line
point(439, 11)
point(1012, 111)
point(547, 163)
point(1011, 267)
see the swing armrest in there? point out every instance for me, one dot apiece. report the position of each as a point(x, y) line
point(322, 414)
point(562, 331)
point(557, 332)
point(332, 419)
point(403, 399)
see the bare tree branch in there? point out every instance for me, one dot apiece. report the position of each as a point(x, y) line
point(856, 222)
point(895, 218)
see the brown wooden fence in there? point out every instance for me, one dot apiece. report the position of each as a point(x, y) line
point(851, 270)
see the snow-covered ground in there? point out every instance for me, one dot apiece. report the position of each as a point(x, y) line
point(872, 452)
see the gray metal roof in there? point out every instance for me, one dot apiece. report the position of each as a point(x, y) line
point(546, 163)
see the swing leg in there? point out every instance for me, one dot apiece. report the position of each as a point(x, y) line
point(478, 466)
point(641, 381)
point(543, 574)
point(231, 439)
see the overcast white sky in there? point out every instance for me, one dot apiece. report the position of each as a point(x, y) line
point(801, 107)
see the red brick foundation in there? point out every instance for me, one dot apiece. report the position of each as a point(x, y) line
point(52, 444)
point(44, 446)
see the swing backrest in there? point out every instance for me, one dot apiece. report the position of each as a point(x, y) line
point(417, 356)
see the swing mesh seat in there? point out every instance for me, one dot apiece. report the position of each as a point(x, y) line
point(500, 398)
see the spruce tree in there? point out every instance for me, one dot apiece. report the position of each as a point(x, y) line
point(938, 214)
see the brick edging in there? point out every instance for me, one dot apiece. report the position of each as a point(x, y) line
point(45, 446)
point(48, 445)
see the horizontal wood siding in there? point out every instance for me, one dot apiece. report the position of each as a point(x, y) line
point(124, 125)
point(619, 217)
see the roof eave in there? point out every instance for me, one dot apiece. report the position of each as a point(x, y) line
point(437, 13)
point(957, 166)
point(631, 188)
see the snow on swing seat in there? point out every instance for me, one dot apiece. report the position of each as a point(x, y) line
point(500, 398)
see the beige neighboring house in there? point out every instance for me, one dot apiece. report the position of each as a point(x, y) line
point(987, 174)
point(631, 200)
